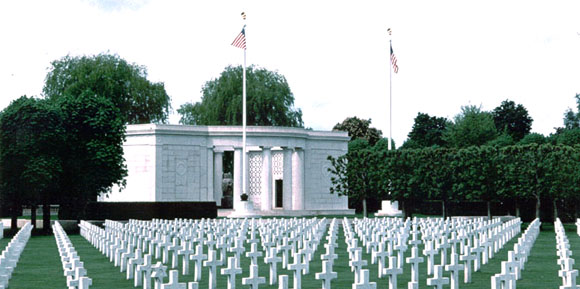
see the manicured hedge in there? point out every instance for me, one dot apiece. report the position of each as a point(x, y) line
point(140, 210)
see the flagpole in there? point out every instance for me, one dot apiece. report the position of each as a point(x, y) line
point(390, 93)
point(244, 165)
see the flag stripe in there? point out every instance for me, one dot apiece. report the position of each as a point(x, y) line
point(394, 61)
point(240, 41)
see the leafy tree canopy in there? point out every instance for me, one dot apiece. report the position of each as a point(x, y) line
point(428, 130)
point(533, 138)
point(109, 76)
point(359, 129)
point(512, 119)
point(93, 159)
point(472, 127)
point(270, 101)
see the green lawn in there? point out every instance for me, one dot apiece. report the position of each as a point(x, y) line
point(40, 267)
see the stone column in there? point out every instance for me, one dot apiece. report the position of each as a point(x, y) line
point(218, 174)
point(237, 178)
point(266, 179)
point(298, 179)
point(210, 192)
point(287, 179)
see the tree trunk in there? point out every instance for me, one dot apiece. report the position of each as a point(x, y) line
point(488, 210)
point(33, 216)
point(46, 218)
point(554, 203)
point(364, 201)
point(404, 210)
point(575, 215)
point(538, 207)
point(443, 210)
point(14, 220)
point(517, 209)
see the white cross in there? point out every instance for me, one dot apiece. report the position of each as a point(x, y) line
point(285, 247)
point(173, 281)
point(364, 282)
point(198, 257)
point(283, 282)
point(468, 257)
point(175, 248)
point(212, 262)
point(381, 254)
point(357, 264)
point(231, 271)
point(297, 267)
point(566, 265)
point(571, 280)
point(514, 265)
point(165, 246)
point(143, 273)
point(326, 275)
point(254, 254)
point(186, 251)
point(454, 267)
point(438, 280)
point(430, 252)
point(393, 271)
point(273, 260)
point(414, 260)
point(238, 249)
point(254, 280)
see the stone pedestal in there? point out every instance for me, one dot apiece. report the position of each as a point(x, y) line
point(389, 209)
point(245, 209)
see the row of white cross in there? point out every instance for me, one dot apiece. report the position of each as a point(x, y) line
point(476, 240)
point(138, 266)
point(298, 239)
point(74, 271)
point(462, 244)
point(11, 254)
point(566, 262)
point(511, 269)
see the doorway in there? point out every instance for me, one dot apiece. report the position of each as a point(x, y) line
point(279, 194)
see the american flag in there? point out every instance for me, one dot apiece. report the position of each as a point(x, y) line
point(240, 41)
point(394, 61)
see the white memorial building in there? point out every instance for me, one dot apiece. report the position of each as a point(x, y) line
point(287, 168)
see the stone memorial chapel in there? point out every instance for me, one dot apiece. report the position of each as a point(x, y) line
point(287, 168)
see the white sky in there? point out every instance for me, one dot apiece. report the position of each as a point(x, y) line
point(334, 54)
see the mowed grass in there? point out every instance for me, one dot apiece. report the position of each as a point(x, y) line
point(40, 267)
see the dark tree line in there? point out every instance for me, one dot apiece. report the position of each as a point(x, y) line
point(66, 148)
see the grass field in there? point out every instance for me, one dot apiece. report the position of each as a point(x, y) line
point(40, 266)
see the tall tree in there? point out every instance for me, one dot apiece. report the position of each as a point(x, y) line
point(31, 135)
point(270, 101)
point(93, 159)
point(472, 127)
point(512, 119)
point(124, 84)
point(428, 130)
point(354, 174)
point(359, 129)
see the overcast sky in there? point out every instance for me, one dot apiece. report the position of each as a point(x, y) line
point(334, 54)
